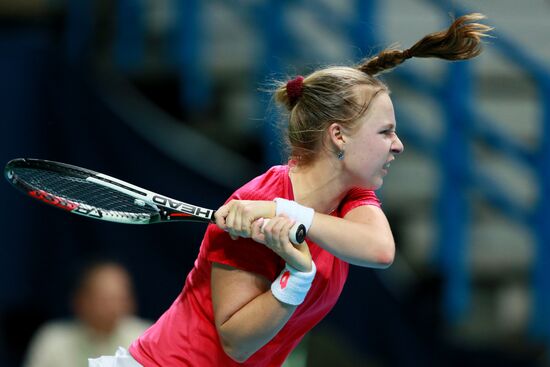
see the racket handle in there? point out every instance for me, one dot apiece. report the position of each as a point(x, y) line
point(297, 233)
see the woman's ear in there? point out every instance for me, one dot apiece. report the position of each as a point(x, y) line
point(336, 135)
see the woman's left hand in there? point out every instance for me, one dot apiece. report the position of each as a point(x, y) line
point(237, 216)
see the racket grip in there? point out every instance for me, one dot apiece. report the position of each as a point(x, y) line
point(297, 233)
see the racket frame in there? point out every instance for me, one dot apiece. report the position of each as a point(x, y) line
point(167, 209)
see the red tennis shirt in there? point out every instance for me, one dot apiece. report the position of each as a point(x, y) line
point(185, 335)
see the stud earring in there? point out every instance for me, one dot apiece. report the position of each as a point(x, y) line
point(340, 155)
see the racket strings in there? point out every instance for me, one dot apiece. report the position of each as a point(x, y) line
point(79, 190)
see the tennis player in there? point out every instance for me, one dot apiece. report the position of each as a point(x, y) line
point(252, 295)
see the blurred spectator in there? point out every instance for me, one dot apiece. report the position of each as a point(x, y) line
point(103, 305)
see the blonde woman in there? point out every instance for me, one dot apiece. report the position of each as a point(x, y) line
point(252, 295)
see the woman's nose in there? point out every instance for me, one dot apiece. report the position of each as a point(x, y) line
point(397, 146)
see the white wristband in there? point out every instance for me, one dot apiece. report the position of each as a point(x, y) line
point(292, 285)
point(301, 214)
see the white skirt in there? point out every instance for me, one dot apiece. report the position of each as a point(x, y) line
point(121, 359)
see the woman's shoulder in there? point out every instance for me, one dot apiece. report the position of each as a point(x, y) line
point(356, 197)
point(360, 193)
point(266, 186)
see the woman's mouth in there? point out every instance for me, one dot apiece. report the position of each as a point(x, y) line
point(386, 167)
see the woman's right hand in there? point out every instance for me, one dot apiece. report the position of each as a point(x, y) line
point(275, 235)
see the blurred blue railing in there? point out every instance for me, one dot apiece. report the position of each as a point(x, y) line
point(464, 121)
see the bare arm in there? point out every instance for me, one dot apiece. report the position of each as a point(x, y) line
point(363, 237)
point(247, 315)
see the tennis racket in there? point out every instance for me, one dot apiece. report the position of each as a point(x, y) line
point(95, 195)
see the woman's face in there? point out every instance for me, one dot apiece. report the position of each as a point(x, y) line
point(374, 144)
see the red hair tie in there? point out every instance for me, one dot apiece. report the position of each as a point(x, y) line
point(294, 89)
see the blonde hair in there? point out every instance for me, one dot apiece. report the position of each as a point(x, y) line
point(331, 95)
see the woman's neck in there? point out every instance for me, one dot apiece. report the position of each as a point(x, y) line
point(318, 185)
